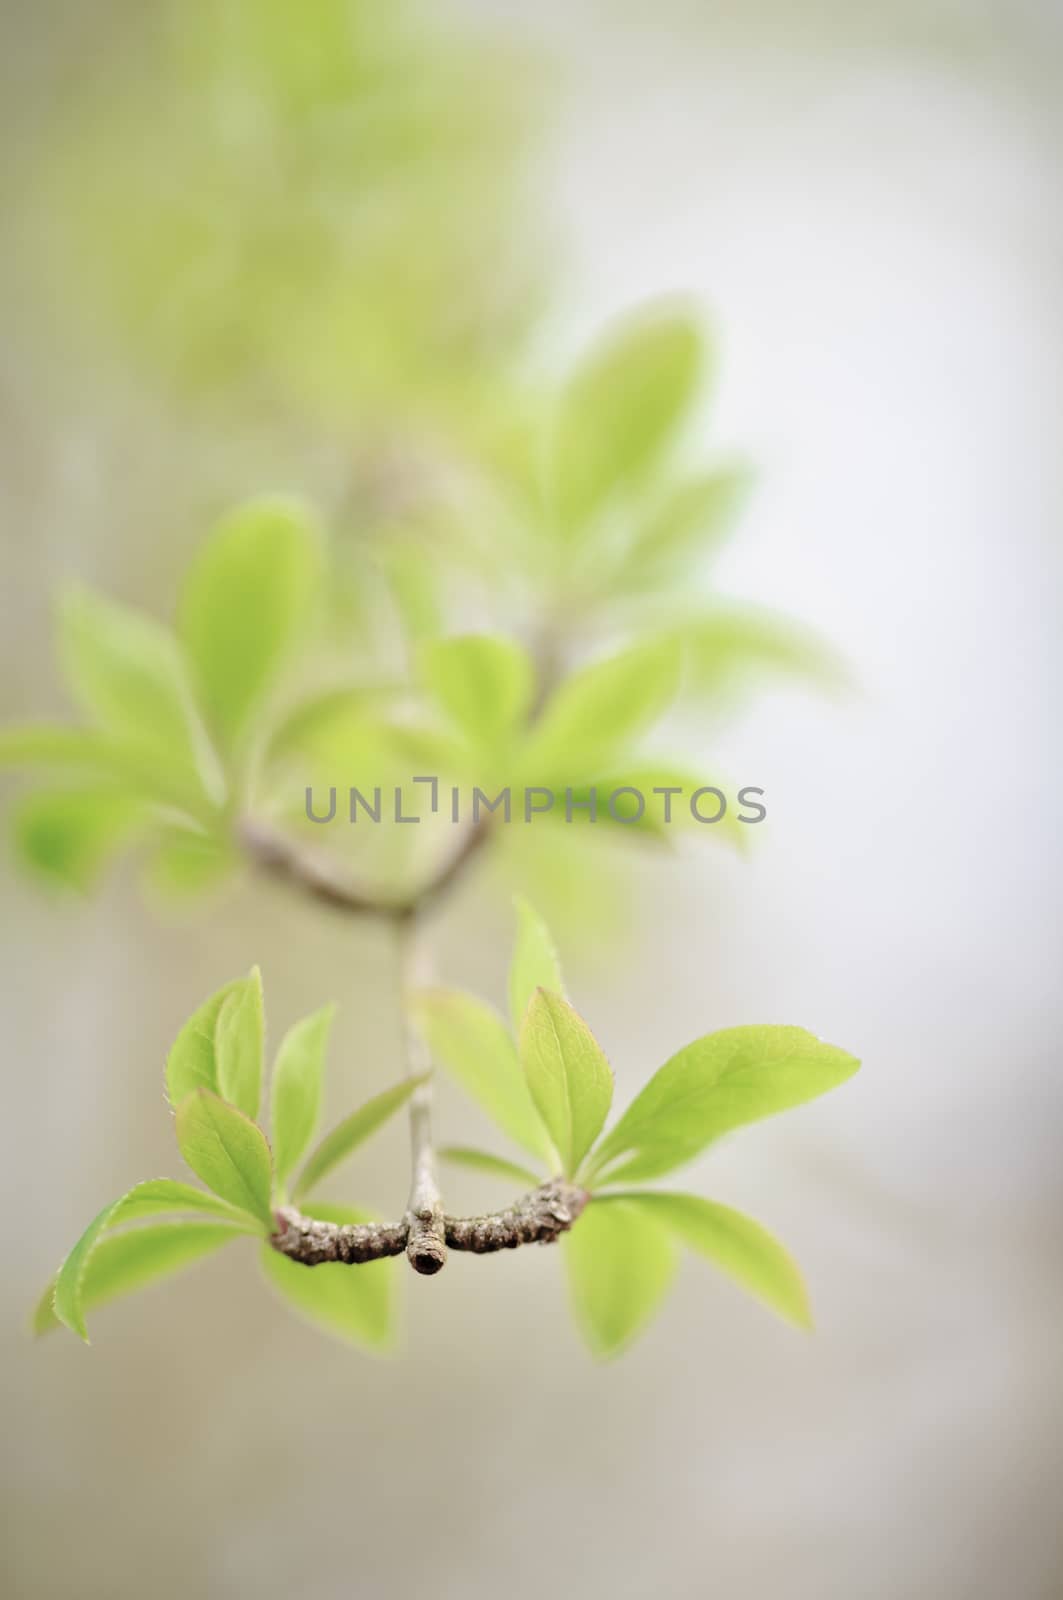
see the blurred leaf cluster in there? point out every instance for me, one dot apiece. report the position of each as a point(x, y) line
point(596, 650)
point(312, 211)
point(316, 224)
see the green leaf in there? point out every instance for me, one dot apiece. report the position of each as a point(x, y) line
point(691, 519)
point(471, 1042)
point(354, 1303)
point(122, 1262)
point(620, 1264)
point(238, 1044)
point(730, 647)
point(621, 410)
point(484, 684)
point(645, 779)
point(71, 835)
point(535, 963)
point(492, 1166)
point(353, 1131)
point(599, 713)
point(415, 586)
point(298, 1078)
point(102, 755)
point(246, 599)
point(127, 671)
point(68, 1284)
point(144, 1200)
point(324, 713)
point(719, 1082)
point(226, 1150)
point(186, 862)
point(736, 1244)
point(193, 1062)
point(167, 1195)
point(569, 1078)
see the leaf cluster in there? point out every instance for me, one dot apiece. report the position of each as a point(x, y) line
point(214, 1082)
point(545, 1082)
point(237, 706)
point(540, 1076)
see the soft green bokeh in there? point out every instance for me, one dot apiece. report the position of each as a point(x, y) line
point(274, 208)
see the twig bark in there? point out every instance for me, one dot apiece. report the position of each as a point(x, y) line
point(540, 1217)
point(316, 873)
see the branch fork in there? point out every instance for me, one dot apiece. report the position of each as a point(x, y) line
point(540, 1217)
point(426, 1232)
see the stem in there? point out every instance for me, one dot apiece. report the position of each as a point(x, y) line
point(316, 873)
point(426, 1247)
point(422, 1234)
point(426, 1231)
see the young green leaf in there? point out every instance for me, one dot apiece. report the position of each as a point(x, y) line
point(569, 1078)
point(736, 1244)
point(535, 963)
point(727, 648)
point(484, 684)
point(719, 1082)
point(599, 713)
point(314, 719)
point(70, 835)
point(238, 1044)
point(122, 1262)
point(620, 1263)
point(491, 1166)
point(298, 1077)
point(193, 1062)
point(471, 1042)
point(71, 1277)
point(353, 1131)
point(143, 1200)
point(246, 599)
point(693, 517)
point(663, 818)
point(354, 1303)
point(620, 411)
point(416, 584)
point(167, 1196)
point(122, 761)
point(187, 861)
point(128, 673)
point(226, 1150)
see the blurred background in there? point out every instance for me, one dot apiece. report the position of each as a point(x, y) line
point(334, 251)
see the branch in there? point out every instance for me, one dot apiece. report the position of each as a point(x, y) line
point(425, 1232)
point(537, 1218)
point(319, 874)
